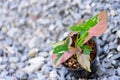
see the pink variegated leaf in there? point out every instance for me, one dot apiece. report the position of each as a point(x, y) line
point(71, 38)
point(64, 57)
point(99, 28)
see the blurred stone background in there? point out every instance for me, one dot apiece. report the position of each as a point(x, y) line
point(29, 27)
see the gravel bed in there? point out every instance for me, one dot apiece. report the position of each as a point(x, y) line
point(29, 27)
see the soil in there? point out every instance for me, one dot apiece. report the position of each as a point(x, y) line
point(72, 61)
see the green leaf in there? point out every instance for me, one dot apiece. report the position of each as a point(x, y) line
point(82, 38)
point(57, 44)
point(67, 42)
point(61, 48)
point(86, 49)
point(82, 32)
point(77, 28)
point(86, 25)
point(86, 52)
point(91, 22)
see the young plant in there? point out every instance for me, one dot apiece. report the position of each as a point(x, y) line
point(84, 30)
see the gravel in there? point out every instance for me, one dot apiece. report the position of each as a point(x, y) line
point(28, 28)
point(1, 52)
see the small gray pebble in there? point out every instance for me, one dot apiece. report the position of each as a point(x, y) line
point(11, 71)
point(118, 71)
point(14, 59)
point(8, 41)
point(24, 58)
point(8, 78)
point(68, 77)
point(4, 73)
point(113, 77)
point(4, 60)
point(101, 71)
point(1, 52)
point(40, 76)
point(21, 75)
point(110, 72)
point(106, 48)
point(32, 76)
point(20, 65)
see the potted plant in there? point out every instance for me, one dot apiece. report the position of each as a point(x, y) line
point(78, 51)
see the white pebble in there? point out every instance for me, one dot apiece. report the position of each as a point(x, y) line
point(35, 64)
point(13, 66)
point(118, 48)
point(32, 42)
point(52, 27)
point(0, 59)
point(118, 33)
point(30, 69)
point(113, 13)
point(88, 6)
point(4, 29)
point(36, 60)
point(43, 54)
point(53, 74)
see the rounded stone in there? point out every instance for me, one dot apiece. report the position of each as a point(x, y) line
point(4, 29)
point(33, 52)
point(13, 66)
point(35, 64)
point(43, 54)
point(53, 74)
point(3, 67)
point(118, 48)
point(118, 33)
point(33, 42)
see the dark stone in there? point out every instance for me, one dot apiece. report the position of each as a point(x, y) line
point(1, 52)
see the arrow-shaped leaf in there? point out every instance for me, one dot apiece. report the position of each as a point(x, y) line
point(91, 22)
point(60, 58)
point(86, 25)
point(99, 28)
point(62, 48)
point(84, 60)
